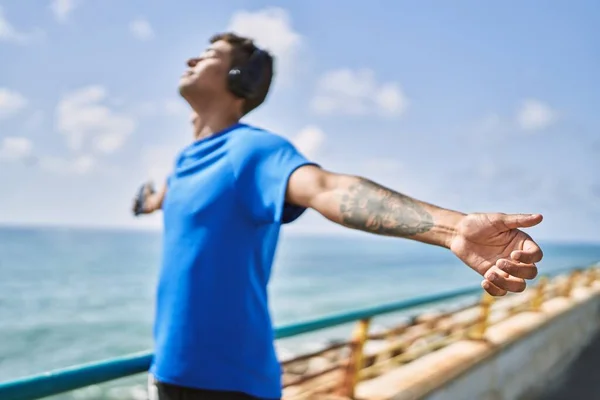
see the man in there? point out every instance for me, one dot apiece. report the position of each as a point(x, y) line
point(223, 206)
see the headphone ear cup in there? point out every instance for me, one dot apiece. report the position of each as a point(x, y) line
point(235, 83)
point(243, 82)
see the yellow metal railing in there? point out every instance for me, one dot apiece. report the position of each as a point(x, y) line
point(407, 342)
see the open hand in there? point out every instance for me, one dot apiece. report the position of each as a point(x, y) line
point(493, 245)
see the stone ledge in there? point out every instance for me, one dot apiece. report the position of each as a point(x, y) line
point(420, 377)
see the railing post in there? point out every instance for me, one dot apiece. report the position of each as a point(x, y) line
point(570, 283)
point(356, 361)
point(538, 296)
point(478, 331)
point(590, 276)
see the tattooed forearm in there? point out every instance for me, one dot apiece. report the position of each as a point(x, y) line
point(370, 207)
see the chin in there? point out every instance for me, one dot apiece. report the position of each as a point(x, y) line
point(185, 88)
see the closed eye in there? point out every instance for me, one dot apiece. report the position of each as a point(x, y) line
point(208, 53)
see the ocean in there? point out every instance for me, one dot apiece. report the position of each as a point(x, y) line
point(69, 296)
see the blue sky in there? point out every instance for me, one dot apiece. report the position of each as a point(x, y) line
point(477, 106)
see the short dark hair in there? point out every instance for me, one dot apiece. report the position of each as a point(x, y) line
point(243, 48)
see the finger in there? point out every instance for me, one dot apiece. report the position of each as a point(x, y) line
point(492, 289)
point(515, 221)
point(517, 269)
point(531, 253)
point(505, 281)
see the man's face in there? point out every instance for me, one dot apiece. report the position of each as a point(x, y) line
point(207, 73)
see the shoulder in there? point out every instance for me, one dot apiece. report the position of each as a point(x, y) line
point(251, 140)
point(258, 136)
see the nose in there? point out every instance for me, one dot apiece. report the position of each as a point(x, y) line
point(192, 62)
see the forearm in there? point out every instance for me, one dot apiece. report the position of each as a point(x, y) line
point(154, 203)
point(359, 203)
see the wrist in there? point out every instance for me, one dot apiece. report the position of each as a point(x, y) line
point(151, 204)
point(448, 225)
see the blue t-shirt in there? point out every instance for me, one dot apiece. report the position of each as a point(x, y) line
point(223, 210)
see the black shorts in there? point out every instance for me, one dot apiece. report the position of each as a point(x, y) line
point(164, 391)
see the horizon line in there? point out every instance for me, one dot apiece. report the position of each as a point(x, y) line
point(336, 232)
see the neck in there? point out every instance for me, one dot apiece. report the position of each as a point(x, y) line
point(212, 117)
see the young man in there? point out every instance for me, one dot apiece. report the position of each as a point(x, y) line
point(224, 204)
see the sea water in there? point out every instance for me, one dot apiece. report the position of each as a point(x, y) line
point(69, 296)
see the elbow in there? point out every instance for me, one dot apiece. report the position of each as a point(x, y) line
point(329, 189)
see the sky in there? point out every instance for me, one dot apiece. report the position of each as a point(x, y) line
point(470, 105)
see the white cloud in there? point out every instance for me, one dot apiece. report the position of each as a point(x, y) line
point(271, 29)
point(83, 164)
point(15, 148)
point(11, 102)
point(10, 34)
point(81, 117)
point(535, 115)
point(109, 142)
point(309, 140)
point(141, 29)
point(62, 8)
point(357, 92)
point(80, 165)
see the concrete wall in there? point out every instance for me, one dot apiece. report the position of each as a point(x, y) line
point(527, 366)
point(520, 358)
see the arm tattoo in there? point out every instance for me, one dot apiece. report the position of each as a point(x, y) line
point(373, 208)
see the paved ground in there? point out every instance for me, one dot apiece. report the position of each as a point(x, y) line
point(582, 381)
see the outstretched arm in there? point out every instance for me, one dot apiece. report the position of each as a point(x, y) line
point(362, 204)
point(491, 244)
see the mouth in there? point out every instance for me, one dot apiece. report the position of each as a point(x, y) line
point(187, 73)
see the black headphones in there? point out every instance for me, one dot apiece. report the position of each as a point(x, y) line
point(244, 82)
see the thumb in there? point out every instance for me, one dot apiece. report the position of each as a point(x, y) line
point(515, 221)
